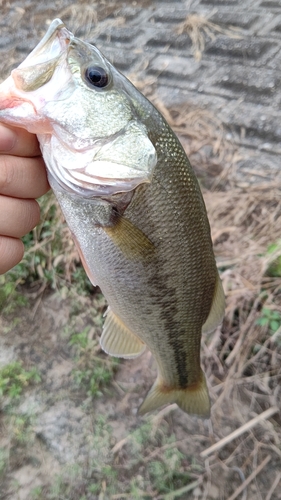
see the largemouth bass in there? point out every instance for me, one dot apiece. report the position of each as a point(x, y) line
point(133, 205)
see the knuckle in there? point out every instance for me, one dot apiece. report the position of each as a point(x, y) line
point(32, 214)
point(6, 173)
point(11, 250)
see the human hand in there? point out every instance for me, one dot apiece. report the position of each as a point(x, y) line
point(22, 179)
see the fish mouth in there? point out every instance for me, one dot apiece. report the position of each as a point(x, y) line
point(92, 166)
point(39, 66)
point(55, 42)
point(19, 101)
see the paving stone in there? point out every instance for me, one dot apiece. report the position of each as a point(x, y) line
point(238, 79)
point(123, 35)
point(174, 66)
point(121, 58)
point(271, 4)
point(250, 83)
point(171, 15)
point(250, 48)
point(240, 19)
point(162, 38)
point(219, 2)
point(257, 126)
point(169, 1)
point(130, 13)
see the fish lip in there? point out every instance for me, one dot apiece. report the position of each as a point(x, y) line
point(53, 46)
point(57, 29)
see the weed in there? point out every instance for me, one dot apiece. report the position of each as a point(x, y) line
point(37, 493)
point(81, 339)
point(273, 254)
point(10, 297)
point(13, 378)
point(94, 372)
point(21, 428)
point(167, 474)
point(50, 258)
point(3, 460)
point(270, 319)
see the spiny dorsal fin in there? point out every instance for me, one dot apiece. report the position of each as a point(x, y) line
point(216, 313)
point(117, 340)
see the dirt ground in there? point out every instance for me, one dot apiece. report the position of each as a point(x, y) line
point(73, 432)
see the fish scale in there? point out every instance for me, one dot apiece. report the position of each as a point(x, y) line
point(133, 205)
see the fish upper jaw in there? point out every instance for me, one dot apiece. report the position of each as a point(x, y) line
point(54, 43)
point(20, 96)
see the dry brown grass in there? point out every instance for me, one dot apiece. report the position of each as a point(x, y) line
point(242, 359)
point(89, 15)
point(199, 27)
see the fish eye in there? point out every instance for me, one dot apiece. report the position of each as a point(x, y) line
point(97, 76)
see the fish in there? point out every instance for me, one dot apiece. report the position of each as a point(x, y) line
point(133, 205)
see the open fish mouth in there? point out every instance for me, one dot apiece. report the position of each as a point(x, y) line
point(39, 66)
point(49, 88)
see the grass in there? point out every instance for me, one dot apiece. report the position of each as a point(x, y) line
point(198, 27)
point(14, 378)
point(94, 372)
point(50, 260)
point(103, 476)
point(241, 359)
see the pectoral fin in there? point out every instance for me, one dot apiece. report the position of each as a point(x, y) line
point(217, 310)
point(130, 239)
point(117, 340)
point(193, 400)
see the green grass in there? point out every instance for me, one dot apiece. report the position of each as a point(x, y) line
point(129, 474)
point(94, 371)
point(14, 378)
point(274, 268)
point(50, 258)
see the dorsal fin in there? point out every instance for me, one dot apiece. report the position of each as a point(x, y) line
point(216, 313)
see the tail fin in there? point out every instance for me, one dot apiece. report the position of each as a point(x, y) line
point(194, 399)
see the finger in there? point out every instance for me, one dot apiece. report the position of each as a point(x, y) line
point(23, 177)
point(17, 217)
point(11, 251)
point(18, 142)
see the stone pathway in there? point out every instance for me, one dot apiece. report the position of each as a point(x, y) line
point(238, 79)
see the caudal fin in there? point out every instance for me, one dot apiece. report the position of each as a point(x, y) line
point(194, 399)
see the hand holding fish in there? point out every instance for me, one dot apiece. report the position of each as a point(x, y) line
point(22, 179)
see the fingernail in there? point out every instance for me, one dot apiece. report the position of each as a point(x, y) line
point(8, 139)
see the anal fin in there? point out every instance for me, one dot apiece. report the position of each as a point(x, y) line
point(117, 340)
point(193, 399)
